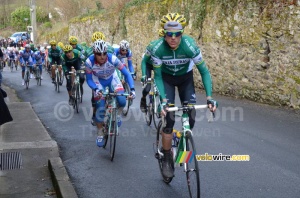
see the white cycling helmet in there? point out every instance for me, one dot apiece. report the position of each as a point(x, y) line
point(100, 46)
point(124, 45)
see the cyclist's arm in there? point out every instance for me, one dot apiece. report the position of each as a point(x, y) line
point(157, 64)
point(89, 74)
point(129, 61)
point(145, 59)
point(206, 78)
point(128, 77)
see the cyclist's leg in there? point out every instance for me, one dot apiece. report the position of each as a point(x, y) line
point(41, 69)
point(69, 88)
point(186, 92)
point(146, 90)
point(170, 117)
point(53, 67)
point(143, 105)
point(116, 86)
point(81, 80)
point(31, 69)
point(99, 119)
point(167, 167)
point(23, 72)
point(60, 70)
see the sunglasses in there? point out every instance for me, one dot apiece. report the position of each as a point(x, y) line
point(68, 52)
point(171, 34)
point(124, 50)
point(53, 45)
point(101, 54)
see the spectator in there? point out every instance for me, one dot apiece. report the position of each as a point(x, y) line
point(4, 111)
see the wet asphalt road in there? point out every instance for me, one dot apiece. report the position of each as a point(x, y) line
point(270, 135)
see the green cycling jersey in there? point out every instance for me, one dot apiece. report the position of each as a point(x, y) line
point(75, 61)
point(54, 53)
point(176, 62)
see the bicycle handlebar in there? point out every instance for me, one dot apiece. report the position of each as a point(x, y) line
point(189, 107)
point(80, 71)
point(115, 94)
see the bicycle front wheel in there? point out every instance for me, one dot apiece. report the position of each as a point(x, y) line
point(78, 96)
point(38, 77)
point(128, 101)
point(148, 114)
point(113, 137)
point(192, 169)
point(57, 81)
point(27, 78)
point(155, 113)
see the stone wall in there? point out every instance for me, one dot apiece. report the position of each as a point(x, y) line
point(251, 47)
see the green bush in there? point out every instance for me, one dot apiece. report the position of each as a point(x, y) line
point(47, 25)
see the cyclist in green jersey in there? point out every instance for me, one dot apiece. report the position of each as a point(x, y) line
point(54, 57)
point(173, 58)
point(71, 59)
point(73, 40)
point(147, 67)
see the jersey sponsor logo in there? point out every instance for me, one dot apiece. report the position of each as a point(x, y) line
point(157, 46)
point(167, 57)
point(198, 59)
point(176, 61)
point(190, 46)
point(175, 69)
point(181, 56)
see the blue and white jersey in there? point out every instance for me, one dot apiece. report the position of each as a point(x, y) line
point(106, 70)
point(26, 56)
point(128, 55)
point(39, 57)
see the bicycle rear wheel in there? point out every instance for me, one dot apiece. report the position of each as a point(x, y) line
point(158, 156)
point(113, 136)
point(128, 101)
point(192, 169)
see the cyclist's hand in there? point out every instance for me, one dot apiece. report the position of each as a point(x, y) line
point(132, 94)
point(143, 79)
point(163, 109)
point(98, 93)
point(212, 104)
point(133, 76)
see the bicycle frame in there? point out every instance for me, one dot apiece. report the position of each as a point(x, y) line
point(185, 125)
point(112, 107)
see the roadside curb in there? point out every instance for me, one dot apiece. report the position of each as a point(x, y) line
point(60, 179)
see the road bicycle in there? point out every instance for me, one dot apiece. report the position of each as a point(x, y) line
point(11, 64)
point(153, 104)
point(183, 149)
point(58, 78)
point(27, 75)
point(37, 75)
point(77, 90)
point(110, 128)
